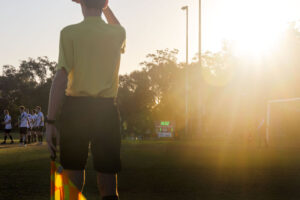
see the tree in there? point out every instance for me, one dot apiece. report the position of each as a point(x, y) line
point(28, 85)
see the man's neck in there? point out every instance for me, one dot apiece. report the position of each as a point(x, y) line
point(92, 13)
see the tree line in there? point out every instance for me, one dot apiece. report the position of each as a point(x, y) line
point(227, 93)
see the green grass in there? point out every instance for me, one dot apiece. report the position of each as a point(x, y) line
point(176, 170)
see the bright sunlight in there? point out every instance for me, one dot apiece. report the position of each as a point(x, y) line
point(254, 26)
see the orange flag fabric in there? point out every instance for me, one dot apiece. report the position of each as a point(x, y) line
point(61, 186)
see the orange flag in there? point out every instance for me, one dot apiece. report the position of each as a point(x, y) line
point(61, 186)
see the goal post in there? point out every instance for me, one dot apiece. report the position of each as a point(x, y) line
point(269, 111)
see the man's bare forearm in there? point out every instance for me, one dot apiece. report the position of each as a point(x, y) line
point(57, 93)
point(109, 15)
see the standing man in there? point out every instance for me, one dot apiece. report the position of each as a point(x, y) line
point(261, 130)
point(29, 127)
point(87, 74)
point(7, 127)
point(39, 124)
point(23, 123)
point(34, 125)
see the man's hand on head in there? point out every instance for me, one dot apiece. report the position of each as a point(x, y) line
point(106, 5)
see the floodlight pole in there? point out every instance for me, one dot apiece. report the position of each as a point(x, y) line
point(200, 34)
point(268, 122)
point(186, 8)
point(200, 128)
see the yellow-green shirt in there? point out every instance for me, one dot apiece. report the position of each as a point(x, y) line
point(90, 52)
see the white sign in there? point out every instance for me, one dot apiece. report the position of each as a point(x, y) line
point(165, 135)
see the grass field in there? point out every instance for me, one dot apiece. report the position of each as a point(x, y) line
point(177, 170)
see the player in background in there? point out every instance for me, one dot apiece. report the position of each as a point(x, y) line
point(40, 124)
point(7, 127)
point(34, 125)
point(29, 127)
point(261, 129)
point(23, 123)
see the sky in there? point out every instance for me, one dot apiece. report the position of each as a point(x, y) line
point(31, 28)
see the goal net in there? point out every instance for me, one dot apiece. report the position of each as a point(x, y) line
point(283, 121)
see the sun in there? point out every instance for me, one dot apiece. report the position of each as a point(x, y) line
point(255, 26)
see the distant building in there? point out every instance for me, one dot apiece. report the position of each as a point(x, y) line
point(165, 129)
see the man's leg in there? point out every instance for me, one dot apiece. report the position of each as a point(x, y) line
point(11, 138)
point(38, 136)
point(24, 138)
point(40, 139)
point(5, 137)
point(29, 137)
point(21, 136)
point(25, 135)
point(34, 136)
point(107, 184)
point(41, 135)
point(77, 177)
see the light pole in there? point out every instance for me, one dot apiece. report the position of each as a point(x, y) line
point(200, 33)
point(201, 109)
point(186, 8)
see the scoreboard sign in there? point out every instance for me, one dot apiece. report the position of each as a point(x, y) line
point(165, 129)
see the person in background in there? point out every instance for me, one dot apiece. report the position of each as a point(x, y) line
point(261, 129)
point(29, 127)
point(23, 124)
point(39, 124)
point(34, 126)
point(7, 127)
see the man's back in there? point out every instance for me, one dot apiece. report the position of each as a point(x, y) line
point(87, 73)
point(90, 52)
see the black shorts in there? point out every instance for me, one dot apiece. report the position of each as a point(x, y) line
point(23, 130)
point(7, 130)
point(94, 121)
point(40, 129)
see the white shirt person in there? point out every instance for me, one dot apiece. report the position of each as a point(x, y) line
point(7, 127)
point(23, 120)
point(40, 119)
point(7, 122)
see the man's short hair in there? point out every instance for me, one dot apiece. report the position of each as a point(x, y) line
point(22, 107)
point(96, 4)
point(39, 108)
point(6, 111)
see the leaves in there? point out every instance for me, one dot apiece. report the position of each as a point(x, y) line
point(27, 85)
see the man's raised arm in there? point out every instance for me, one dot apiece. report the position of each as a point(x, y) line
point(109, 15)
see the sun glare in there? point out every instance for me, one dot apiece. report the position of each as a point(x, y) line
point(254, 27)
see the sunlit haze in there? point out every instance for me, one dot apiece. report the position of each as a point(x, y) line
point(31, 28)
point(256, 26)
